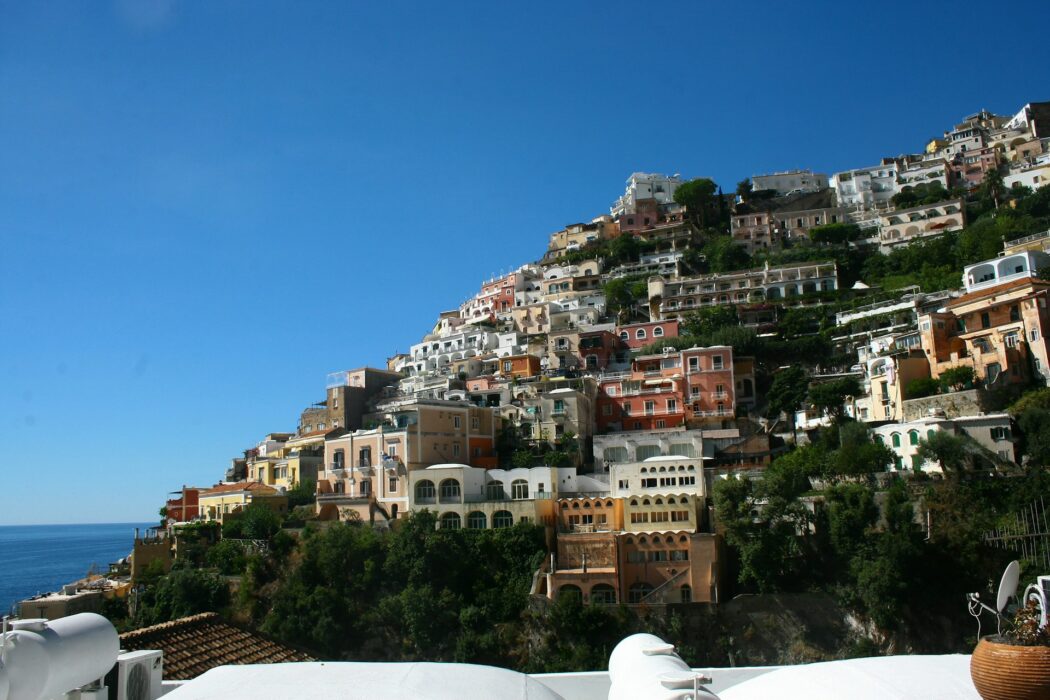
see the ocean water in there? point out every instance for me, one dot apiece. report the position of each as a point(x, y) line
point(41, 558)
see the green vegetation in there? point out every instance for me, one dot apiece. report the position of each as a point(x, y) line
point(923, 193)
point(862, 541)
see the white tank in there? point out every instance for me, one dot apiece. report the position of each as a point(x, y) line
point(45, 659)
point(645, 666)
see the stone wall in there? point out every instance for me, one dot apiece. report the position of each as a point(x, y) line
point(971, 402)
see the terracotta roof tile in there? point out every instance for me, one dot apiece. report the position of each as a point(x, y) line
point(998, 289)
point(195, 644)
point(239, 486)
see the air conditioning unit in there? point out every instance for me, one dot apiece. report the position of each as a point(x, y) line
point(137, 676)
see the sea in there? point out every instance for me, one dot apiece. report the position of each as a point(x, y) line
point(42, 558)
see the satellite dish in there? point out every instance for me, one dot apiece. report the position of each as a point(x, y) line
point(1008, 585)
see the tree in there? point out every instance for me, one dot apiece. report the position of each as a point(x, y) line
point(724, 255)
point(954, 453)
point(921, 387)
point(954, 378)
point(787, 393)
point(992, 187)
point(835, 234)
point(709, 319)
point(256, 522)
point(858, 454)
point(744, 188)
point(830, 397)
point(181, 593)
point(698, 197)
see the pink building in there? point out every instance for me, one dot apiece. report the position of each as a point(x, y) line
point(638, 335)
point(669, 390)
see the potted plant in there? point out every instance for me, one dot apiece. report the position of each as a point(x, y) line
point(1016, 664)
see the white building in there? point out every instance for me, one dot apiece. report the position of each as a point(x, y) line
point(646, 186)
point(866, 188)
point(989, 273)
point(790, 181)
point(992, 432)
point(435, 353)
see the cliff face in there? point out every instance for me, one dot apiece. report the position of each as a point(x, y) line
point(762, 630)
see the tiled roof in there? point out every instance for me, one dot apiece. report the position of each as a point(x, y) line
point(998, 289)
point(195, 644)
point(255, 486)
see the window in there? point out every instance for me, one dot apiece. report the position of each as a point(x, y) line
point(716, 362)
point(559, 406)
point(508, 366)
point(635, 557)
point(686, 593)
point(658, 332)
point(519, 489)
point(455, 449)
point(638, 592)
point(679, 516)
point(640, 334)
point(986, 320)
point(457, 422)
point(476, 520)
point(694, 364)
point(687, 481)
point(1033, 334)
point(1000, 433)
point(667, 481)
point(720, 389)
point(425, 491)
point(392, 484)
point(650, 408)
point(449, 490)
point(913, 437)
point(639, 518)
point(625, 336)
point(1015, 313)
point(603, 594)
point(658, 555)
point(364, 457)
point(680, 555)
point(337, 459)
point(475, 423)
point(450, 521)
point(896, 439)
point(648, 483)
point(502, 518)
point(606, 410)
point(672, 405)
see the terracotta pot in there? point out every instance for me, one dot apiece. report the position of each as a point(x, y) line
point(1008, 672)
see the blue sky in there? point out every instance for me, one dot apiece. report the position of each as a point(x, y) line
point(205, 207)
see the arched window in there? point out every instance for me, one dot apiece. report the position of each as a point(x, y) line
point(659, 501)
point(896, 439)
point(425, 491)
point(476, 520)
point(686, 593)
point(570, 590)
point(519, 489)
point(658, 332)
point(683, 538)
point(576, 505)
point(494, 491)
point(625, 336)
point(450, 491)
point(640, 334)
point(603, 594)
point(502, 518)
point(913, 437)
point(929, 434)
point(450, 521)
point(586, 504)
point(638, 591)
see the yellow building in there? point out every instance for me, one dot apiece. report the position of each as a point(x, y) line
point(222, 500)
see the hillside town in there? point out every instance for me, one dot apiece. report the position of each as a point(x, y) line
point(574, 391)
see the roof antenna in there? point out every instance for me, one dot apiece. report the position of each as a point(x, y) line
point(1007, 590)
